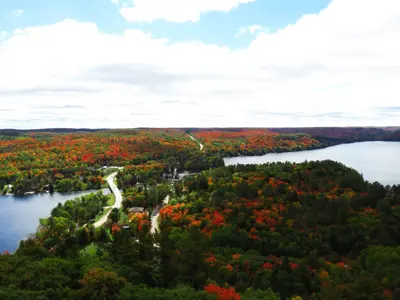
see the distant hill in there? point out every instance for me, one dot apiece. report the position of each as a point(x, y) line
point(351, 133)
point(19, 132)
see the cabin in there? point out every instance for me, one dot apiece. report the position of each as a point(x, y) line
point(136, 210)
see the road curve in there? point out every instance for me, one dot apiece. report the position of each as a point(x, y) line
point(154, 217)
point(200, 144)
point(118, 199)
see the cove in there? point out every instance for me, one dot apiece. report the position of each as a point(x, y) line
point(19, 215)
point(377, 161)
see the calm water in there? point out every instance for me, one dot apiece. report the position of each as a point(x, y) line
point(19, 215)
point(377, 161)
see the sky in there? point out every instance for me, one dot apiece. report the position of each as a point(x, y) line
point(199, 63)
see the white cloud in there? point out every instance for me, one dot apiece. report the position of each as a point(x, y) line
point(337, 68)
point(14, 14)
point(18, 13)
point(252, 29)
point(3, 35)
point(178, 11)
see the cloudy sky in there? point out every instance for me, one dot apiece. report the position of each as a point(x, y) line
point(199, 63)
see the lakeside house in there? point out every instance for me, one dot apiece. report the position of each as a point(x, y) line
point(136, 210)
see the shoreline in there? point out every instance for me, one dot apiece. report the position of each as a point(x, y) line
point(304, 150)
point(300, 150)
point(251, 154)
point(48, 192)
point(342, 153)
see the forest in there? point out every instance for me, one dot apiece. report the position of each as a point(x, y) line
point(257, 141)
point(315, 230)
point(71, 159)
point(48, 161)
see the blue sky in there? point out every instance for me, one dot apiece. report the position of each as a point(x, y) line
point(199, 63)
point(213, 28)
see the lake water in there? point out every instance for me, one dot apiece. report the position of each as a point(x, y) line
point(377, 161)
point(19, 215)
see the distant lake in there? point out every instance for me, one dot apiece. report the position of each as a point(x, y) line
point(377, 161)
point(19, 215)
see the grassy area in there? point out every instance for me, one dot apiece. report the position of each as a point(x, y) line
point(105, 184)
point(108, 173)
point(90, 250)
point(104, 212)
point(105, 177)
point(111, 200)
point(123, 218)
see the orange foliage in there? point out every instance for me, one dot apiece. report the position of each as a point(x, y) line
point(218, 219)
point(115, 228)
point(229, 268)
point(252, 140)
point(222, 293)
point(53, 152)
point(211, 259)
point(236, 256)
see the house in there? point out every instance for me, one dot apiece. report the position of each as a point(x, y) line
point(136, 210)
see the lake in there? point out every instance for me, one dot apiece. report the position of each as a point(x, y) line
point(377, 161)
point(19, 215)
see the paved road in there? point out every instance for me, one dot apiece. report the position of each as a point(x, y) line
point(201, 145)
point(154, 217)
point(118, 199)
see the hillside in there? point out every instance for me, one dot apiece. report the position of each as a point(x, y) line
point(58, 159)
point(315, 230)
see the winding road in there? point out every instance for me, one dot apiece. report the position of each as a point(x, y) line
point(154, 217)
point(118, 199)
point(200, 144)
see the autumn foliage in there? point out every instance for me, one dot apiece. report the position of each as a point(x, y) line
point(222, 293)
point(314, 230)
point(278, 214)
point(71, 161)
point(253, 141)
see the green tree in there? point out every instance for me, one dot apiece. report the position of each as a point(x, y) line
point(100, 284)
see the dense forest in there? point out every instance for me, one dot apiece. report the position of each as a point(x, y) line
point(314, 230)
point(47, 161)
point(71, 159)
point(258, 141)
point(338, 135)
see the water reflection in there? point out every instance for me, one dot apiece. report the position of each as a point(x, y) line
point(19, 215)
point(377, 161)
